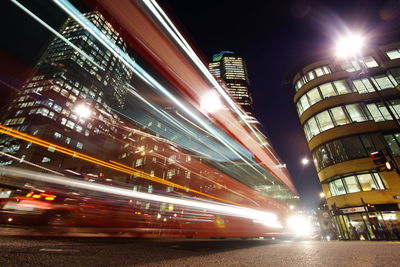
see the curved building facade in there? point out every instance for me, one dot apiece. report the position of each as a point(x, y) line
point(349, 109)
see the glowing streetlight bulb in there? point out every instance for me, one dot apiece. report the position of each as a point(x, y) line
point(82, 111)
point(210, 102)
point(321, 195)
point(305, 161)
point(349, 45)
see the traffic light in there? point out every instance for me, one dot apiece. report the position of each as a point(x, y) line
point(382, 161)
point(378, 157)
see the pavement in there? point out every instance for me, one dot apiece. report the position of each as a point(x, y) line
point(94, 251)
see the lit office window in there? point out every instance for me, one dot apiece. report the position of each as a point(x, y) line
point(367, 182)
point(339, 116)
point(327, 90)
point(313, 127)
point(342, 87)
point(338, 187)
point(351, 184)
point(370, 62)
point(383, 82)
point(395, 107)
point(393, 54)
point(356, 113)
point(45, 159)
point(356, 183)
point(356, 65)
point(314, 96)
point(304, 102)
point(139, 162)
point(363, 86)
point(325, 121)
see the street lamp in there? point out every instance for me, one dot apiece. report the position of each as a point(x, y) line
point(83, 111)
point(305, 161)
point(211, 102)
point(349, 45)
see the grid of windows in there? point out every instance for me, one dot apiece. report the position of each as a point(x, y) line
point(351, 113)
point(311, 75)
point(356, 65)
point(356, 183)
point(321, 92)
point(341, 87)
point(347, 148)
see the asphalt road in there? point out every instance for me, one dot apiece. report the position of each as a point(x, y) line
point(51, 251)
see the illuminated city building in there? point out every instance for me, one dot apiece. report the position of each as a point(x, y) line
point(348, 110)
point(232, 69)
point(69, 99)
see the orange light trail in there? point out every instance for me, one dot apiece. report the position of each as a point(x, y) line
point(115, 165)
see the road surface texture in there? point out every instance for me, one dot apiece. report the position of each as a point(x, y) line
point(52, 251)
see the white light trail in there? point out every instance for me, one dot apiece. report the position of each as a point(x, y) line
point(140, 72)
point(56, 33)
point(267, 218)
point(169, 26)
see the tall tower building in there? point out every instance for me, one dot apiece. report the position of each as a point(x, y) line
point(350, 110)
point(232, 70)
point(68, 81)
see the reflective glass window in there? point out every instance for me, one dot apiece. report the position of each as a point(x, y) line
point(356, 113)
point(342, 87)
point(354, 148)
point(393, 145)
point(314, 96)
point(337, 151)
point(313, 127)
point(339, 116)
point(324, 120)
point(351, 184)
point(378, 180)
point(327, 90)
point(368, 144)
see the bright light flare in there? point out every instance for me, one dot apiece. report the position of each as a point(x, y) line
point(211, 102)
point(349, 45)
point(300, 225)
point(83, 111)
point(305, 161)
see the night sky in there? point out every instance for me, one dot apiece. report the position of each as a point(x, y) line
point(273, 37)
